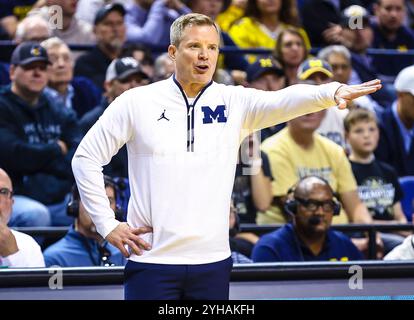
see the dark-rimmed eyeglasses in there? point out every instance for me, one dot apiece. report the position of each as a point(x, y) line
point(5, 192)
point(327, 206)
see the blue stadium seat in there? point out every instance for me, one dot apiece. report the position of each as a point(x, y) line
point(407, 203)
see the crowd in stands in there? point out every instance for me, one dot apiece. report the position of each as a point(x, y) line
point(330, 167)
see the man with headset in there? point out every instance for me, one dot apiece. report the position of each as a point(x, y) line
point(82, 246)
point(308, 237)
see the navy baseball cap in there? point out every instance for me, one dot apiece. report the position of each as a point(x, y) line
point(28, 52)
point(105, 10)
point(261, 66)
point(311, 66)
point(122, 68)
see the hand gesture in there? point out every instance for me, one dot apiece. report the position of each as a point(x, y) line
point(345, 93)
point(123, 235)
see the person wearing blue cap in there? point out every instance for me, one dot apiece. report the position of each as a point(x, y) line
point(38, 137)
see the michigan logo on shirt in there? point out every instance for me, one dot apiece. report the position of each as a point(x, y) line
point(217, 114)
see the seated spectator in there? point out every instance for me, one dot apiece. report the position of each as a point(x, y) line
point(291, 51)
point(396, 124)
point(378, 185)
point(122, 74)
point(33, 28)
point(76, 93)
point(16, 249)
point(149, 21)
point(404, 251)
point(262, 24)
point(267, 74)
point(339, 58)
point(309, 237)
point(322, 20)
point(240, 248)
point(316, 71)
point(358, 40)
point(37, 135)
point(231, 14)
point(298, 151)
point(390, 33)
point(82, 246)
point(72, 30)
point(109, 29)
point(142, 54)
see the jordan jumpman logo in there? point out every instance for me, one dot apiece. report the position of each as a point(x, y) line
point(163, 117)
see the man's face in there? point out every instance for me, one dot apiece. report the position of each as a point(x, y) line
point(210, 8)
point(196, 55)
point(341, 67)
point(115, 88)
point(111, 31)
point(85, 221)
point(363, 137)
point(36, 32)
point(31, 78)
point(293, 49)
point(6, 198)
point(390, 14)
point(269, 81)
point(406, 105)
point(309, 122)
point(61, 69)
point(314, 215)
point(358, 40)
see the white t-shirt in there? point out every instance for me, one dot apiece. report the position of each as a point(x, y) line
point(182, 160)
point(29, 254)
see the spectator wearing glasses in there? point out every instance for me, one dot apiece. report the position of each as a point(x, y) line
point(16, 249)
point(309, 236)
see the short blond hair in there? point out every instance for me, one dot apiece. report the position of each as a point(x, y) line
point(191, 19)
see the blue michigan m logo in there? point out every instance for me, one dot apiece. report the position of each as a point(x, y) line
point(217, 115)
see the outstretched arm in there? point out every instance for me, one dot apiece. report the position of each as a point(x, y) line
point(267, 108)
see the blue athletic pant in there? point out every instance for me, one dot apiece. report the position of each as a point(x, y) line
point(151, 281)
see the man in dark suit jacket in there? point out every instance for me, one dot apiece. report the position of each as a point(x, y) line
point(396, 145)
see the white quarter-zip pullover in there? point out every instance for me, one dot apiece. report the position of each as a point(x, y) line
point(181, 160)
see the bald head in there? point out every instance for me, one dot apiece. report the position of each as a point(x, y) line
point(310, 185)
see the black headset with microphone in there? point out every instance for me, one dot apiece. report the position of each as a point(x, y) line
point(291, 205)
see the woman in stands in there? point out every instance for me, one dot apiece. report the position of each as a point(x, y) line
point(263, 22)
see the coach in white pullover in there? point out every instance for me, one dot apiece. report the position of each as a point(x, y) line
point(182, 136)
